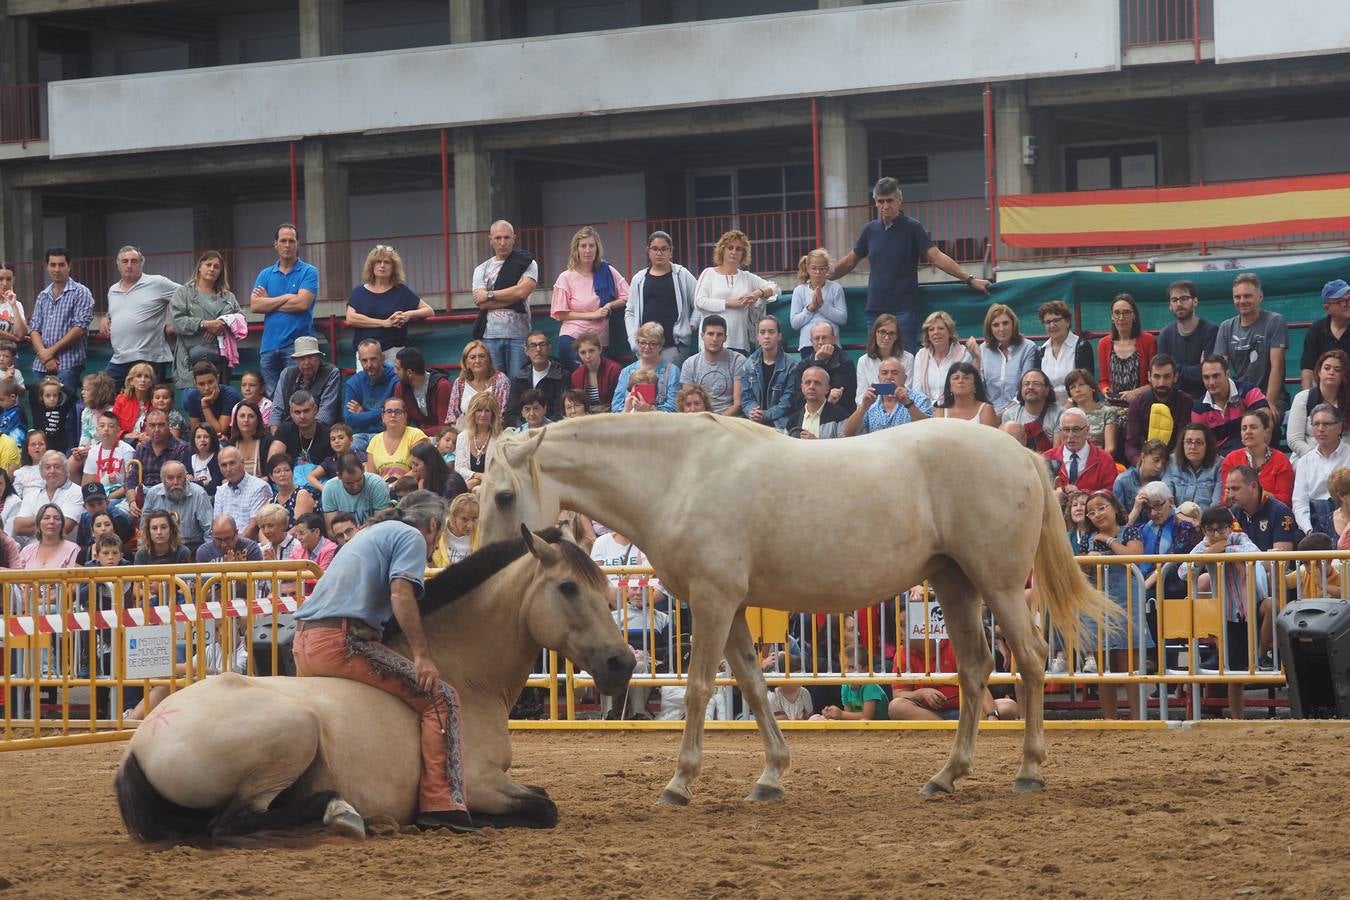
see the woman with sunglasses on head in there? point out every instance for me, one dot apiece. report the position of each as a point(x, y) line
point(382, 305)
point(1123, 356)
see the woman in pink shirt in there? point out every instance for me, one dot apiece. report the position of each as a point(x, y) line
point(584, 295)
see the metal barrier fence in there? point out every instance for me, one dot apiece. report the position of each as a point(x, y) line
point(81, 645)
point(1149, 22)
point(23, 113)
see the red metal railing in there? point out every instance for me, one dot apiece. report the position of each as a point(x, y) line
point(23, 113)
point(1150, 22)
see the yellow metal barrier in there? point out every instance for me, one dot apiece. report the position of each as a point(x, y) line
point(65, 677)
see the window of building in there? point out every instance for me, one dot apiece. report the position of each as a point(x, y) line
point(774, 205)
point(910, 171)
point(1105, 166)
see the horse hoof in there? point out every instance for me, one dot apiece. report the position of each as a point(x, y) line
point(672, 798)
point(1028, 785)
point(935, 788)
point(764, 793)
point(536, 789)
point(341, 818)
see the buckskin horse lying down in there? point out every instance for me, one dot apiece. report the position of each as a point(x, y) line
point(231, 755)
point(730, 512)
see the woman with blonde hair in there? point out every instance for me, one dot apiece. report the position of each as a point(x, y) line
point(382, 305)
point(476, 375)
point(1004, 357)
point(816, 298)
point(585, 294)
point(939, 351)
point(477, 439)
point(197, 310)
point(736, 294)
point(133, 403)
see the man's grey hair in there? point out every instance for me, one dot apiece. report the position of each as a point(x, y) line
point(303, 398)
point(887, 187)
point(1326, 409)
point(134, 249)
point(420, 508)
point(378, 345)
point(1155, 491)
point(1072, 411)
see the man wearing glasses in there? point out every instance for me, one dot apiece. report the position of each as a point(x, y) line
point(543, 373)
point(662, 293)
point(1189, 338)
point(1084, 467)
point(1326, 334)
point(502, 286)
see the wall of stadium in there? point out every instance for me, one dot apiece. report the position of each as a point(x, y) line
point(1252, 29)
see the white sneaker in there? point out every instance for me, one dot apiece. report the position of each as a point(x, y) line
point(1089, 665)
point(1058, 666)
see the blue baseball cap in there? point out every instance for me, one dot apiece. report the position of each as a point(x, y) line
point(1335, 290)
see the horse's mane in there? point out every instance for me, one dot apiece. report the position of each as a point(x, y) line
point(742, 428)
point(469, 574)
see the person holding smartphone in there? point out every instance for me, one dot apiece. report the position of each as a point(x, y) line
point(897, 405)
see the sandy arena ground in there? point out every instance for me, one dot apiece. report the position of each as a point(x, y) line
point(1217, 811)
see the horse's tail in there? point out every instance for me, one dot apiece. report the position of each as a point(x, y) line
point(149, 815)
point(1058, 585)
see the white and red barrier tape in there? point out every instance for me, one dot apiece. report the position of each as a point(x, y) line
point(56, 623)
point(626, 581)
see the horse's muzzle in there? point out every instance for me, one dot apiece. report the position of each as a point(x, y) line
point(613, 671)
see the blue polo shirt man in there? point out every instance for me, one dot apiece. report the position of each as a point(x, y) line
point(284, 293)
point(895, 244)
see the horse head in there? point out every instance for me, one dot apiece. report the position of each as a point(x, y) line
point(566, 608)
point(512, 492)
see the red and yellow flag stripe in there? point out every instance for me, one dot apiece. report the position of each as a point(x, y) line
point(1271, 207)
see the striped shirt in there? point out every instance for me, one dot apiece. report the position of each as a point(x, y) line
point(242, 501)
point(54, 317)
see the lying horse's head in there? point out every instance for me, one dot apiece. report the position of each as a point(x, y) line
point(566, 608)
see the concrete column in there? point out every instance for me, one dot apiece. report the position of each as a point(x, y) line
point(1195, 147)
point(484, 188)
point(468, 21)
point(1048, 173)
point(87, 235)
point(844, 177)
point(1012, 122)
point(212, 225)
point(327, 221)
point(18, 54)
point(320, 27)
point(20, 223)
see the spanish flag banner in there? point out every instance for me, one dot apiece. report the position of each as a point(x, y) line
point(1269, 208)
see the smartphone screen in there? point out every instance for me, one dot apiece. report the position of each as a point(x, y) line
point(884, 389)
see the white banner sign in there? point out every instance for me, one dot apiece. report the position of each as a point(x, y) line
point(915, 618)
point(149, 651)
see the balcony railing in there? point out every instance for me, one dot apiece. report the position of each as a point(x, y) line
point(1151, 22)
point(23, 113)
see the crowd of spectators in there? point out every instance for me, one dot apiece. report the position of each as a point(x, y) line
point(295, 457)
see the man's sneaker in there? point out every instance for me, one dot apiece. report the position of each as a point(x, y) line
point(456, 820)
point(1267, 661)
point(1058, 666)
point(1089, 665)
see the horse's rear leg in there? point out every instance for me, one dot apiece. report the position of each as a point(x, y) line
point(712, 625)
point(1029, 649)
point(974, 661)
point(750, 677)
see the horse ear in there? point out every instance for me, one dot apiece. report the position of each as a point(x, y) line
point(539, 548)
point(566, 530)
point(520, 447)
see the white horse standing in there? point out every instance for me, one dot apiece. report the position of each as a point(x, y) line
point(730, 512)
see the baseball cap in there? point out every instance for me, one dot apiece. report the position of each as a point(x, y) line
point(94, 491)
point(1335, 290)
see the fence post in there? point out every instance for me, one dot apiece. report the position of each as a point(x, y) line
point(445, 216)
point(990, 186)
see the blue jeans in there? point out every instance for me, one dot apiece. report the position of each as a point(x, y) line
point(273, 362)
point(567, 352)
point(508, 354)
point(908, 320)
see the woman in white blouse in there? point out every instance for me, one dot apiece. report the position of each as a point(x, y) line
point(940, 351)
point(816, 298)
point(883, 340)
point(735, 294)
point(1063, 350)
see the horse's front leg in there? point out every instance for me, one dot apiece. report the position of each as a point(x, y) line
point(750, 677)
point(714, 622)
point(974, 662)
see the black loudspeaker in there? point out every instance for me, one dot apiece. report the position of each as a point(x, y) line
point(1314, 638)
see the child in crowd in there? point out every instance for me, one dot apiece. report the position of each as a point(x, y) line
point(12, 420)
point(1189, 512)
point(861, 701)
point(445, 446)
point(461, 519)
point(251, 386)
point(53, 408)
point(1316, 578)
point(340, 441)
point(108, 457)
point(789, 701)
point(98, 392)
point(29, 475)
point(402, 487)
point(532, 409)
point(641, 386)
point(9, 358)
point(203, 467)
point(107, 552)
point(162, 400)
point(574, 404)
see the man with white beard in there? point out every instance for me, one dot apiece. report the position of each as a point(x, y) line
point(187, 500)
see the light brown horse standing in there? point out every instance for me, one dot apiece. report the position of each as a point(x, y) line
point(721, 507)
point(230, 754)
